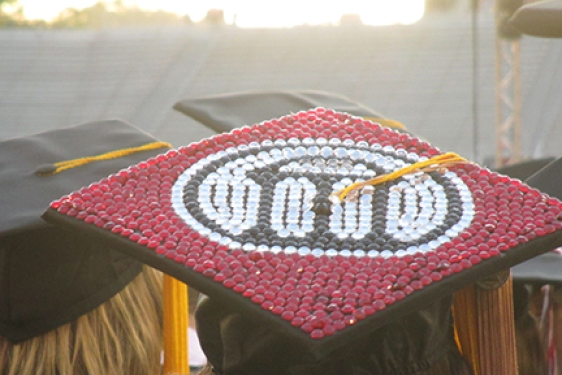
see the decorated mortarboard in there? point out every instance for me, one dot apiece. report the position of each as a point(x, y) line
point(225, 112)
point(541, 19)
point(48, 276)
point(323, 224)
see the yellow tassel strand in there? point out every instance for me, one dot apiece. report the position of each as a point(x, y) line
point(484, 323)
point(435, 163)
point(466, 326)
point(176, 318)
point(496, 330)
point(68, 164)
point(393, 124)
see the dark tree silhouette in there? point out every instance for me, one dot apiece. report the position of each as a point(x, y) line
point(103, 14)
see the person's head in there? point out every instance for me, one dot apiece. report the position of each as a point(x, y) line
point(122, 336)
point(420, 343)
point(67, 301)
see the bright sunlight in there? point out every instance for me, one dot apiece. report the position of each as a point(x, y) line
point(259, 13)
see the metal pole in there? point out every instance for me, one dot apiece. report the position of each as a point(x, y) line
point(508, 102)
point(475, 123)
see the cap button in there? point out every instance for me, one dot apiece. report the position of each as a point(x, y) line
point(45, 169)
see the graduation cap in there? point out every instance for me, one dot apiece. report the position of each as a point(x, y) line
point(541, 19)
point(542, 270)
point(225, 112)
point(48, 276)
point(547, 268)
point(324, 226)
point(525, 169)
point(536, 287)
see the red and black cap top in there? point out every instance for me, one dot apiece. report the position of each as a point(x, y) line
point(322, 223)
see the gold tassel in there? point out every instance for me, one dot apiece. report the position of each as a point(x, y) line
point(498, 354)
point(437, 162)
point(393, 124)
point(176, 318)
point(485, 325)
point(466, 327)
point(69, 164)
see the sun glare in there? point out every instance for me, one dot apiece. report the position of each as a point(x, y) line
point(383, 12)
point(260, 13)
point(47, 10)
point(294, 12)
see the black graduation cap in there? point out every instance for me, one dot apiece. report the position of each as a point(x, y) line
point(525, 169)
point(541, 270)
point(541, 19)
point(48, 276)
point(225, 112)
point(546, 268)
point(322, 224)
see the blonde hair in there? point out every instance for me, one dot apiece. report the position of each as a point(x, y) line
point(122, 336)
